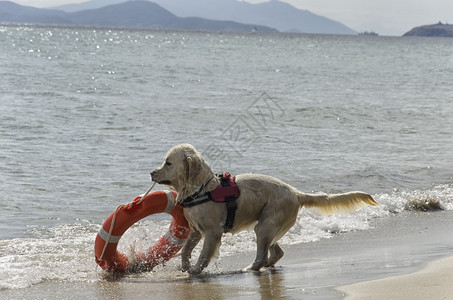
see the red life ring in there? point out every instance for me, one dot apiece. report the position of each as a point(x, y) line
point(110, 259)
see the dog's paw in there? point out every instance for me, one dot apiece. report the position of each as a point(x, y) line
point(251, 268)
point(185, 267)
point(195, 271)
point(247, 269)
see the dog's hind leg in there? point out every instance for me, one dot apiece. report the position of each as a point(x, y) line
point(186, 252)
point(272, 225)
point(212, 241)
point(261, 255)
point(275, 254)
point(263, 242)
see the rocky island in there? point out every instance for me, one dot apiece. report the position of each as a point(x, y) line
point(438, 30)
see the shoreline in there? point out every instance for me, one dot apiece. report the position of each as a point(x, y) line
point(393, 246)
point(432, 282)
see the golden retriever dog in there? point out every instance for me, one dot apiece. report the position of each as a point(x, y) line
point(266, 204)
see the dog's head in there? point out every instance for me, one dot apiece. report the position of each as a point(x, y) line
point(183, 168)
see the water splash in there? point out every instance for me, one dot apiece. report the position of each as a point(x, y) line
point(64, 253)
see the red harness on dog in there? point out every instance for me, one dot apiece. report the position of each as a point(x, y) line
point(226, 192)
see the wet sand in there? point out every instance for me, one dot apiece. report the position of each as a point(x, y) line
point(397, 245)
point(432, 282)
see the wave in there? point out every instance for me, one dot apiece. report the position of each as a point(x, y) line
point(65, 253)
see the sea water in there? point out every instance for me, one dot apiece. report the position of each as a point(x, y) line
point(85, 114)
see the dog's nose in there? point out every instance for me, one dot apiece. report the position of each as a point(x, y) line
point(153, 173)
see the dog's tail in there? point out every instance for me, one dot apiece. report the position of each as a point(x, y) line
point(336, 203)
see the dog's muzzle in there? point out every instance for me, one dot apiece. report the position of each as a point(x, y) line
point(153, 174)
point(154, 178)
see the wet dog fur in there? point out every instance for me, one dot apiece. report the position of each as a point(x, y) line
point(266, 204)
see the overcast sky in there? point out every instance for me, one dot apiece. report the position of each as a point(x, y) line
point(386, 17)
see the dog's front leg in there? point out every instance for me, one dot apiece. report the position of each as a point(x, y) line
point(212, 240)
point(186, 252)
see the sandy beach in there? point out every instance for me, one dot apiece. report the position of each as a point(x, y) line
point(358, 265)
point(432, 282)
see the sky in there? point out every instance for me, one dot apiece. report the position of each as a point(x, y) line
point(386, 17)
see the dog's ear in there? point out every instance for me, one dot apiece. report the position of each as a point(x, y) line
point(193, 166)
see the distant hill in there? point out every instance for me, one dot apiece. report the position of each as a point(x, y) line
point(93, 4)
point(275, 14)
point(13, 13)
point(133, 14)
point(439, 30)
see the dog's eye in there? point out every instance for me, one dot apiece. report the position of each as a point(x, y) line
point(167, 163)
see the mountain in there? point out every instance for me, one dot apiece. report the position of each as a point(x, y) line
point(133, 14)
point(275, 14)
point(14, 13)
point(438, 30)
point(93, 4)
point(127, 14)
point(146, 14)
